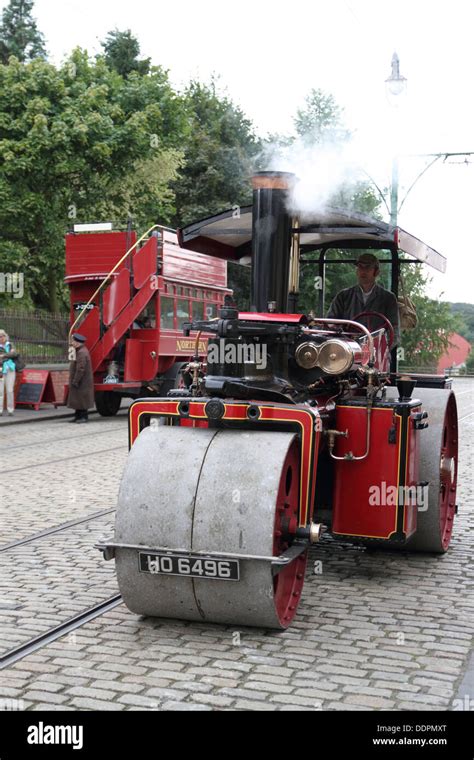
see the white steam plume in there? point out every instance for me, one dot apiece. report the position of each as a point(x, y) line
point(325, 170)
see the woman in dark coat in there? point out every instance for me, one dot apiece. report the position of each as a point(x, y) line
point(81, 381)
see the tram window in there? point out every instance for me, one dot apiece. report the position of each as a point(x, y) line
point(211, 310)
point(198, 310)
point(182, 311)
point(167, 313)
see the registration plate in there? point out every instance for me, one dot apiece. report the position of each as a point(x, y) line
point(189, 565)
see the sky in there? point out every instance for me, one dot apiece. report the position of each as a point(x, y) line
point(269, 54)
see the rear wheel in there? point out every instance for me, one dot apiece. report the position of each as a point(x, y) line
point(438, 467)
point(107, 403)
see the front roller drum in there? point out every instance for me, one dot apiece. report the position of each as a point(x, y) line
point(201, 490)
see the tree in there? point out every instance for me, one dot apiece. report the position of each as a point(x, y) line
point(319, 127)
point(121, 53)
point(73, 141)
point(219, 155)
point(320, 121)
point(470, 362)
point(424, 346)
point(466, 313)
point(19, 34)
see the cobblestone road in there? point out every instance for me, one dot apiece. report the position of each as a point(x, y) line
point(376, 630)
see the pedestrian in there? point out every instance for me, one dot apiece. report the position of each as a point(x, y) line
point(81, 381)
point(7, 372)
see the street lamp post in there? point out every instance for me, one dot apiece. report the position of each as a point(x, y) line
point(396, 85)
point(394, 193)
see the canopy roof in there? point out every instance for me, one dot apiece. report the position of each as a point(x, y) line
point(229, 235)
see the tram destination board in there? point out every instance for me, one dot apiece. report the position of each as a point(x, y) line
point(189, 565)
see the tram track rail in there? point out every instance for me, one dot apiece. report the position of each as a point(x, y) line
point(71, 624)
point(42, 442)
point(64, 459)
point(55, 529)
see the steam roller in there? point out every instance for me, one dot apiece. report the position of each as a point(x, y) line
point(292, 425)
point(211, 493)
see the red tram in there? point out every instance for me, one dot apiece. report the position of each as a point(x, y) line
point(132, 312)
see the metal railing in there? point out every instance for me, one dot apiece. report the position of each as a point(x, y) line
point(40, 337)
point(453, 372)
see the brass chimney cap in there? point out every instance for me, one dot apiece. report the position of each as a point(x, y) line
point(273, 180)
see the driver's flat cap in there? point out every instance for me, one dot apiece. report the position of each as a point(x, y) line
point(368, 259)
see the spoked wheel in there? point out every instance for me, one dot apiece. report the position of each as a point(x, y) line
point(439, 467)
point(212, 491)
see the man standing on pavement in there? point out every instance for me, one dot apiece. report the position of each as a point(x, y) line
point(367, 296)
point(81, 380)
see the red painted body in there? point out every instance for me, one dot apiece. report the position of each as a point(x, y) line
point(370, 494)
point(168, 284)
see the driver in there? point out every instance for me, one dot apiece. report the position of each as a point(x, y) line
point(368, 295)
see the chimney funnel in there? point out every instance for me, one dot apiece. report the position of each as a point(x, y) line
point(271, 241)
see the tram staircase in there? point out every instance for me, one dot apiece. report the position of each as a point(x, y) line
point(130, 289)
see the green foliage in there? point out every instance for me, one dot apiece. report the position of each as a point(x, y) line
point(320, 121)
point(424, 346)
point(470, 362)
point(121, 53)
point(239, 279)
point(218, 155)
point(19, 35)
point(71, 143)
point(465, 312)
point(145, 195)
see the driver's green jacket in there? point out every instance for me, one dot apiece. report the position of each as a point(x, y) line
point(349, 302)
